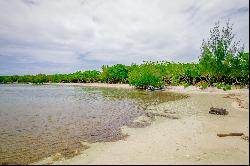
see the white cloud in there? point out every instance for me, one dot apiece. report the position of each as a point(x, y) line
point(79, 32)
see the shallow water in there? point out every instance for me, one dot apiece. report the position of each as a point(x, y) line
point(38, 121)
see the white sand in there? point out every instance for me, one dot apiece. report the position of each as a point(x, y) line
point(192, 139)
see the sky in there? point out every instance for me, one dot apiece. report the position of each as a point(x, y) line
point(51, 36)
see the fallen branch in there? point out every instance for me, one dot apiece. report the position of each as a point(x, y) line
point(230, 134)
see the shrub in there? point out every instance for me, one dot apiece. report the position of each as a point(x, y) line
point(202, 84)
point(220, 85)
point(145, 75)
point(114, 74)
point(227, 87)
point(90, 76)
point(186, 85)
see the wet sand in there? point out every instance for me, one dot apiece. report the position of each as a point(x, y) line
point(190, 138)
point(104, 85)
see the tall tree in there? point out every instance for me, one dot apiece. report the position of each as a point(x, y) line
point(219, 52)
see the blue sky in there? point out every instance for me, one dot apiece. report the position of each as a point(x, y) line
point(50, 36)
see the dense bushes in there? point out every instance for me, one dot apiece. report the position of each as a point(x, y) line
point(148, 73)
point(114, 74)
point(151, 73)
point(222, 63)
point(86, 77)
point(145, 75)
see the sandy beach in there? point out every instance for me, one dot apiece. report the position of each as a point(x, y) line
point(105, 85)
point(188, 138)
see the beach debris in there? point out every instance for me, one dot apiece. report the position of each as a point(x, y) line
point(245, 137)
point(151, 88)
point(230, 134)
point(218, 111)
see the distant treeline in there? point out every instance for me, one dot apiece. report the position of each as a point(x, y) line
point(222, 63)
point(235, 72)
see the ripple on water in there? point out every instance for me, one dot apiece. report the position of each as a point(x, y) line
point(42, 121)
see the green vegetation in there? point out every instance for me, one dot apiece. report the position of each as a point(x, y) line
point(222, 60)
point(222, 63)
point(114, 74)
point(227, 87)
point(147, 74)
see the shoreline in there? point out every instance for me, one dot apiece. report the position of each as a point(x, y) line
point(190, 139)
point(176, 89)
point(103, 85)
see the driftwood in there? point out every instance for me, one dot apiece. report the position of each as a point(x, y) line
point(151, 88)
point(230, 134)
point(218, 111)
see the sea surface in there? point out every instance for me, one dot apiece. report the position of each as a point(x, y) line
point(39, 121)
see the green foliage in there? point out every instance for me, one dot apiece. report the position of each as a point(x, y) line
point(222, 59)
point(223, 86)
point(145, 75)
point(203, 84)
point(114, 74)
point(90, 76)
point(220, 85)
point(85, 77)
point(186, 85)
point(39, 79)
point(227, 87)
